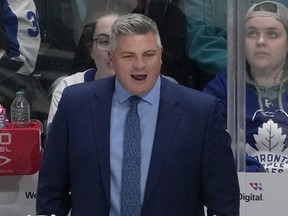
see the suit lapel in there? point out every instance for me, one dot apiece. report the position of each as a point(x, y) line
point(168, 116)
point(100, 113)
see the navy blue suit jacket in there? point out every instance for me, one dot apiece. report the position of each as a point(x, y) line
point(191, 164)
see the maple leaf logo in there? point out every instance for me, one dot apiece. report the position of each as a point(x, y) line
point(270, 138)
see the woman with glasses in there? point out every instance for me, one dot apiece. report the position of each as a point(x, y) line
point(98, 46)
point(266, 47)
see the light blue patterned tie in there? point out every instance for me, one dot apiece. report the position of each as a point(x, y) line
point(130, 186)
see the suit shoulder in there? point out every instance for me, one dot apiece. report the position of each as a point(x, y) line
point(189, 95)
point(89, 89)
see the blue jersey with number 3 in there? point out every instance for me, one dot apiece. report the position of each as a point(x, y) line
point(19, 21)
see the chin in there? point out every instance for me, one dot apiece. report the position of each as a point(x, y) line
point(262, 65)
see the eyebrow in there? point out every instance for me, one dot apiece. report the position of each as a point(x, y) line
point(102, 35)
point(269, 28)
point(147, 51)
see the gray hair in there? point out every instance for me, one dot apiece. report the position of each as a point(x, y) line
point(133, 24)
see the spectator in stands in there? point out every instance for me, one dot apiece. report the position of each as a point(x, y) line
point(206, 41)
point(98, 45)
point(19, 46)
point(266, 47)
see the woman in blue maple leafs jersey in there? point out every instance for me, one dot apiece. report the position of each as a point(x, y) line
point(266, 46)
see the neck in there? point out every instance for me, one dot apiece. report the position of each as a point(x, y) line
point(268, 78)
point(100, 75)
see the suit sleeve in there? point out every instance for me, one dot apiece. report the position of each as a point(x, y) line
point(53, 193)
point(220, 181)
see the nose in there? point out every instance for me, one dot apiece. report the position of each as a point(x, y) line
point(139, 63)
point(261, 40)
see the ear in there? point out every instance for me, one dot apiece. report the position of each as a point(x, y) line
point(110, 58)
point(161, 54)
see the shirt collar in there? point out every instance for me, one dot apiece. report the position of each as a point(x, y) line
point(151, 96)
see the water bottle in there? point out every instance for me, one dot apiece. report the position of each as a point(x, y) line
point(20, 111)
point(2, 117)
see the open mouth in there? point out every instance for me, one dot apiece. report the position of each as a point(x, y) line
point(139, 77)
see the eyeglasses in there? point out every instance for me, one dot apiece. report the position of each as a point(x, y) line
point(102, 44)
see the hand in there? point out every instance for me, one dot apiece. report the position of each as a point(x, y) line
point(252, 165)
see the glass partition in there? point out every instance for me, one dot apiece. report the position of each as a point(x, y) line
point(257, 118)
point(236, 82)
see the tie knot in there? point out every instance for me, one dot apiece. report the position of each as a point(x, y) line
point(134, 100)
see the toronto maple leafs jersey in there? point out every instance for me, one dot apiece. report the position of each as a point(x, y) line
point(19, 24)
point(266, 121)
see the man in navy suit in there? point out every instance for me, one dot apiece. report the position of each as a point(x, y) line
point(186, 157)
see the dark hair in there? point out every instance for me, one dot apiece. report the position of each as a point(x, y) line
point(82, 59)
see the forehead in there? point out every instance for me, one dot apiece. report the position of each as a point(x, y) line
point(104, 25)
point(137, 42)
point(264, 23)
